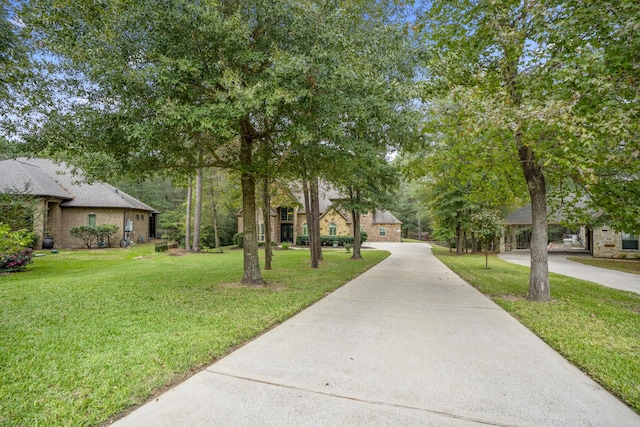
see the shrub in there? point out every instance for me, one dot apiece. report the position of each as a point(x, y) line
point(285, 245)
point(15, 252)
point(86, 233)
point(104, 233)
point(15, 261)
point(238, 240)
point(363, 236)
point(89, 233)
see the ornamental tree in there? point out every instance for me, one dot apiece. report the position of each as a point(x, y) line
point(486, 227)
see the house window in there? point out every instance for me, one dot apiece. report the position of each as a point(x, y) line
point(305, 230)
point(261, 237)
point(286, 214)
point(383, 231)
point(629, 241)
point(361, 228)
point(92, 220)
point(142, 217)
point(333, 229)
point(137, 217)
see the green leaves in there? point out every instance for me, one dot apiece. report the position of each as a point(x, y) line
point(486, 226)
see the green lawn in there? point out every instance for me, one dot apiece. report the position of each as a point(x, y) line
point(628, 266)
point(85, 335)
point(594, 327)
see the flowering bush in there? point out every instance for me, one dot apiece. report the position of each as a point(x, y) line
point(15, 252)
point(15, 261)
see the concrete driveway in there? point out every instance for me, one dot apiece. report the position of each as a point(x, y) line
point(558, 263)
point(408, 343)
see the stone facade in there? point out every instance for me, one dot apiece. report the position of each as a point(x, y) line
point(332, 216)
point(607, 243)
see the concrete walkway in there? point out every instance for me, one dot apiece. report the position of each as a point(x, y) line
point(408, 343)
point(558, 263)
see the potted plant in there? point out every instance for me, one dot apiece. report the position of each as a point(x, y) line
point(47, 242)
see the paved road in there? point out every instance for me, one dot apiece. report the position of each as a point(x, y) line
point(408, 343)
point(558, 263)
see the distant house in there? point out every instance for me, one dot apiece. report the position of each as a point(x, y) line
point(601, 241)
point(289, 220)
point(65, 201)
point(518, 229)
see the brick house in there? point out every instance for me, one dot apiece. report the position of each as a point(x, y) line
point(65, 201)
point(601, 242)
point(289, 220)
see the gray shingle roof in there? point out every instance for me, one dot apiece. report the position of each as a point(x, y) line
point(24, 177)
point(385, 217)
point(523, 216)
point(50, 179)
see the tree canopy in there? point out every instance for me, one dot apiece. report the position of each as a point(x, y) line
point(186, 85)
point(546, 88)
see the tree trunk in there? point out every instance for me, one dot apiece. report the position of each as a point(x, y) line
point(459, 238)
point(216, 230)
point(251, 272)
point(187, 232)
point(315, 212)
point(214, 210)
point(539, 276)
point(197, 217)
point(266, 218)
point(311, 227)
point(486, 258)
point(355, 220)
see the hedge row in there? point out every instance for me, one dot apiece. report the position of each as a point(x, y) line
point(238, 240)
point(101, 234)
point(330, 240)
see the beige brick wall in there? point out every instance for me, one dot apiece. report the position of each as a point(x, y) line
point(392, 233)
point(72, 217)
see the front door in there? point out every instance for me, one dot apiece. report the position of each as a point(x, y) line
point(286, 233)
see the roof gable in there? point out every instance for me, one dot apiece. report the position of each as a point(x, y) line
point(339, 211)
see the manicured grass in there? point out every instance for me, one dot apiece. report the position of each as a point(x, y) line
point(85, 335)
point(594, 327)
point(628, 266)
